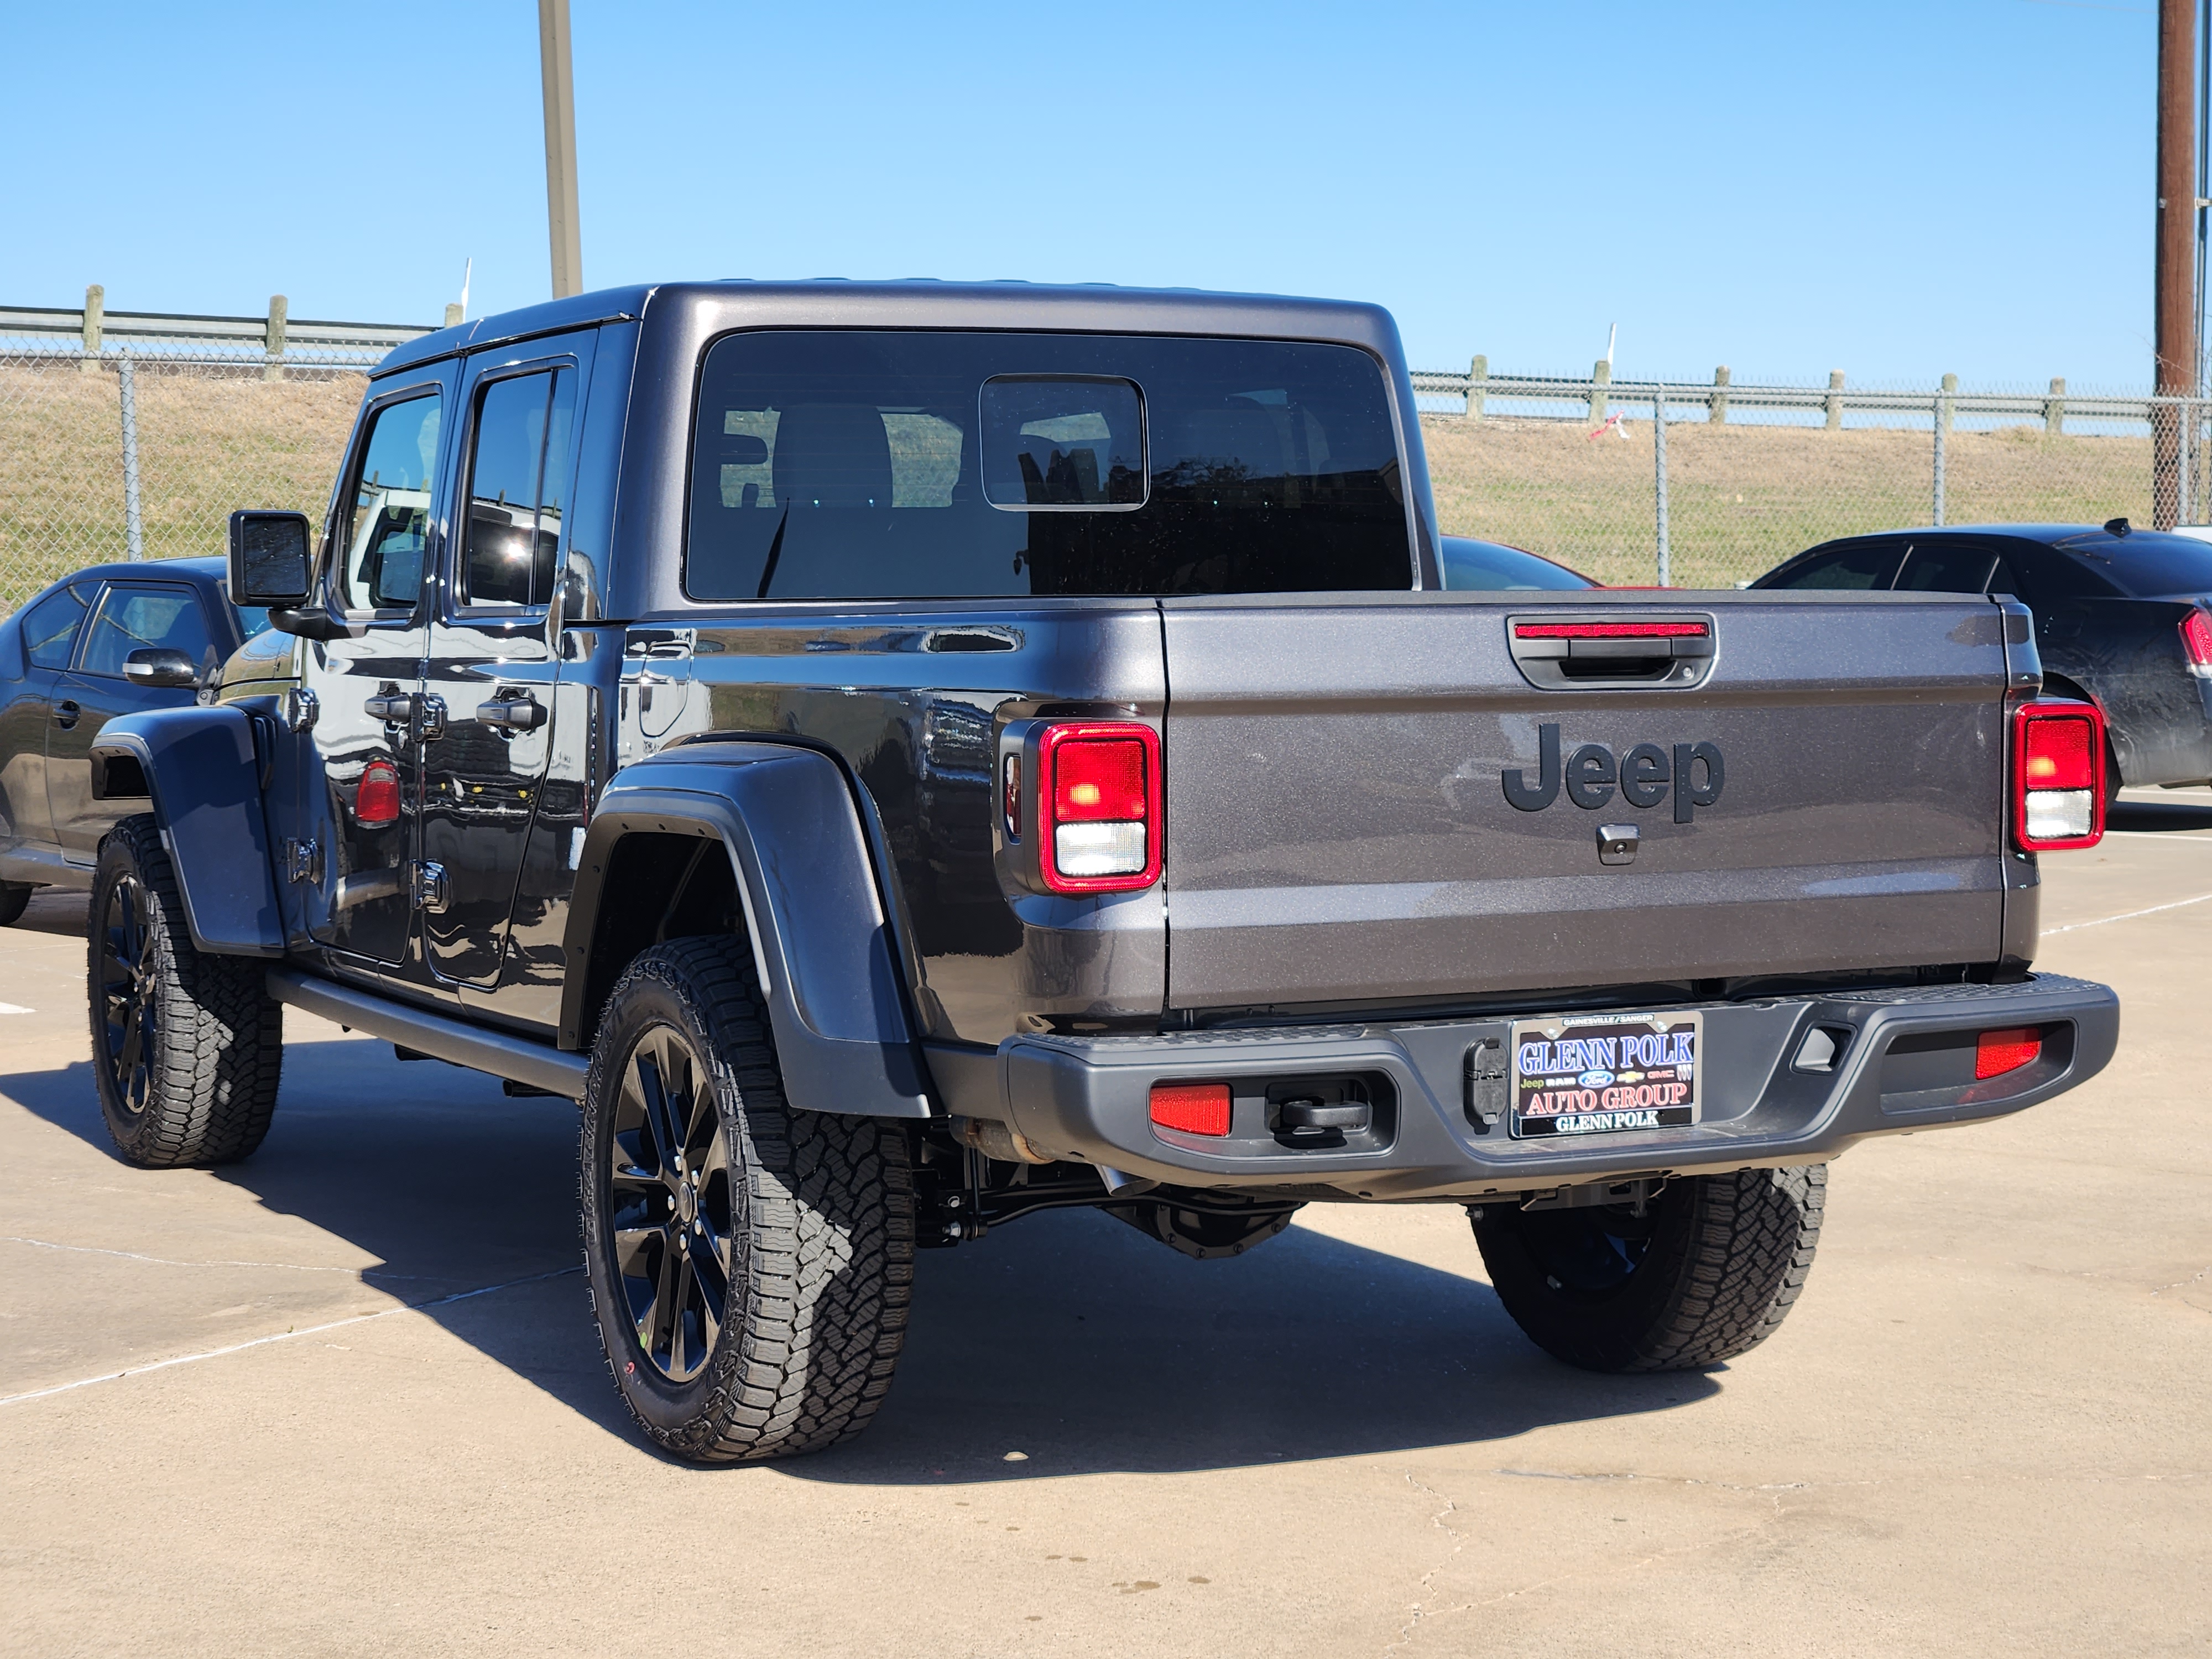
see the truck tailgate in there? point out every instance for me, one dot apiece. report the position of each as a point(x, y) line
point(1339, 829)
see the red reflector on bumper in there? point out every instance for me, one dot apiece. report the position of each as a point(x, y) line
point(1196, 1108)
point(1996, 1053)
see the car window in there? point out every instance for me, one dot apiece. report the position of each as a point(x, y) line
point(1848, 565)
point(917, 465)
point(2041, 575)
point(50, 629)
point(1945, 566)
point(2145, 562)
point(1488, 566)
point(518, 469)
point(135, 618)
point(387, 530)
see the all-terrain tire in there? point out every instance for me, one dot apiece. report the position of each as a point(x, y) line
point(1709, 1271)
point(187, 1048)
point(15, 897)
point(808, 1226)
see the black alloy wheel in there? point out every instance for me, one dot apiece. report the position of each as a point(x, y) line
point(187, 1046)
point(668, 1184)
point(126, 996)
point(751, 1264)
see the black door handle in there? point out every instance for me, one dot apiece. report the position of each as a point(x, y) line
point(521, 713)
point(65, 713)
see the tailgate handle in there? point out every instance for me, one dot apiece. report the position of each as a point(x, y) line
point(1561, 651)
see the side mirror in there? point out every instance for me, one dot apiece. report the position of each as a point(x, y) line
point(159, 665)
point(270, 561)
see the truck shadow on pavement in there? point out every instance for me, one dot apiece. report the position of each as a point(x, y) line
point(1068, 1337)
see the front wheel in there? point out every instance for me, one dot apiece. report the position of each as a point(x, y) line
point(187, 1048)
point(14, 898)
point(1708, 1270)
point(750, 1264)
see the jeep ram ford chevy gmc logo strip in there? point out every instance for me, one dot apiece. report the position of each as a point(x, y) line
point(1644, 775)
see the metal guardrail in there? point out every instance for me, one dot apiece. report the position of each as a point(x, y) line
point(97, 332)
point(1593, 396)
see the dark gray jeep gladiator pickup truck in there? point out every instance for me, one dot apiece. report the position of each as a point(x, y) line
point(905, 756)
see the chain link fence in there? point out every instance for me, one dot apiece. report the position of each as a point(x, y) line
point(1742, 475)
point(136, 436)
point(129, 455)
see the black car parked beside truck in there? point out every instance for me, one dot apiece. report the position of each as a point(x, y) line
point(906, 756)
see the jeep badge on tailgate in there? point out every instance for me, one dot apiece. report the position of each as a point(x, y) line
point(1643, 775)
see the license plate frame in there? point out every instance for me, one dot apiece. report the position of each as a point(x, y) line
point(1658, 1087)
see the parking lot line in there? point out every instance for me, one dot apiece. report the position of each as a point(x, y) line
point(282, 1336)
point(2125, 915)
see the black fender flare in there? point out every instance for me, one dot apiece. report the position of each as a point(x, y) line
point(202, 772)
point(821, 940)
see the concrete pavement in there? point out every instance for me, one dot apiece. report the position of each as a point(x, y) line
point(362, 1407)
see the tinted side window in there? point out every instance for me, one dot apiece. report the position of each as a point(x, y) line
point(518, 469)
point(387, 532)
point(139, 618)
point(2040, 576)
point(50, 629)
point(1945, 566)
point(1852, 565)
point(913, 465)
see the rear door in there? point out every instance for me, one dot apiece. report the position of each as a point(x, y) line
point(130, 616)
point(1826, 795)
point(488, 672)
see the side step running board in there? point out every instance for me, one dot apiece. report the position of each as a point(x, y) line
point(536, 1064)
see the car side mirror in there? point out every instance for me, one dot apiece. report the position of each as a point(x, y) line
point(158, 665)
point(270, 561)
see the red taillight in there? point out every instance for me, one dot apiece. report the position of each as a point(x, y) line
point(1196, 1108)
point(2057, 775)
point(1099, 807)
point(1996, 1053)
point(2197, 643)
point(376, 800)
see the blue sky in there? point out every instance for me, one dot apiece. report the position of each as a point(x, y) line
point(1893, 189)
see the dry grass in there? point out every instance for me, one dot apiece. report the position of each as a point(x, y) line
point(1740, 499)
point(207, 444)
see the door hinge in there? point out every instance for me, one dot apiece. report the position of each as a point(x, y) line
point(303, 861)
point(427, 882)
point(429, 718)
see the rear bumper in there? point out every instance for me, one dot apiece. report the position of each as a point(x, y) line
point(1905, 1062)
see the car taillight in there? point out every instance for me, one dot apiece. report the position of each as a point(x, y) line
point(376, 800)
point(1196, 1108)
point(2197, 643)
point(1098, 806)
point(1996, 1053)
point(2057, 775)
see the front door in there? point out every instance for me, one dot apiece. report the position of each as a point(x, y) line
point(133, 616)
point(352, 841)
point(30, 704)
point(489, 671)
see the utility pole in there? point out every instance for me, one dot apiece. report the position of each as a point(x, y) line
point(2175, 254)
point(561, 148)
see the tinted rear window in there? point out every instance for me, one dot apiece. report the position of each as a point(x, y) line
point(2147, 562)
point(906, 465)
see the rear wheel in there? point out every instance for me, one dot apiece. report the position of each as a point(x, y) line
point(14, 897)
point(1709, 1270)
point(750, 1264)
point(187, 1048)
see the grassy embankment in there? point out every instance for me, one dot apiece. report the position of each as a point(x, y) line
point(206, 446)
point(1740, 499)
